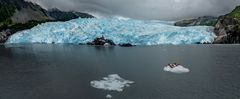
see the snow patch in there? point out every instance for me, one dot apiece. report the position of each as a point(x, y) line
point(178, 69)
point(111, 83)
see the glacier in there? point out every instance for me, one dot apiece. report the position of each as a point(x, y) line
point(120, 31)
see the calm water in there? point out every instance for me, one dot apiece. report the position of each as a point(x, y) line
point(65, 71)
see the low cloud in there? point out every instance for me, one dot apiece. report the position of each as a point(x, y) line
point(146, 9)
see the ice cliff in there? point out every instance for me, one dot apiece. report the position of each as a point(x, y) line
point(136, 32)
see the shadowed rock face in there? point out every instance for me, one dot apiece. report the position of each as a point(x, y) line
point(201, 21)
point(4, 35)
point(228, 28)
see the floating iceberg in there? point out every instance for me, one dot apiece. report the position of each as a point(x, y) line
point(178, 69)
point(108, 96)
point(112, 83)
point(136, 32)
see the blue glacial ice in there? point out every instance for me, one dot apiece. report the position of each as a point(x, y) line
point(136, 32)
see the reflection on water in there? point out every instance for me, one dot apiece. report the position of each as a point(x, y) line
point(65, 71)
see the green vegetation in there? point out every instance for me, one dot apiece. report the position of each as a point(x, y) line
point(22, 26)
point(6, 12)
point(208, 23)
point(201, 21)
point(235, 13)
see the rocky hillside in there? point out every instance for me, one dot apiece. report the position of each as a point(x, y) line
point(18, 11)
point(228, 28)
point(201, 21)
point(17, 15)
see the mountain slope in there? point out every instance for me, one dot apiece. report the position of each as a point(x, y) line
point(228, 28)
point(19, 11)
point(201, 21)
point(17, 15)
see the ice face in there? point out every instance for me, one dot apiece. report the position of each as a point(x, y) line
point(136, 32)
point(178, 69)
point(111, 83)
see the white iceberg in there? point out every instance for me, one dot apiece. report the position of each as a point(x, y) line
point(108, 96)
point(178, 69)
point(111, 83)
point(135, 32)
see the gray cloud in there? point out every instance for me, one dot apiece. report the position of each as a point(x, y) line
point(146, 9)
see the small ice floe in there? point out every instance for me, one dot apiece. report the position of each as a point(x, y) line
point(178, 69)
point(111, 83)
point(108, 96)
point(107, 45)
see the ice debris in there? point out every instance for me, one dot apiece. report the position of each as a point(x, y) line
point(111, 83)
point(178, 69)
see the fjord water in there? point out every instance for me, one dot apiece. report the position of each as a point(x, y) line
point(65, 71)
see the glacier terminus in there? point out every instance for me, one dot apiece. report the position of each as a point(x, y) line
point(120, 31)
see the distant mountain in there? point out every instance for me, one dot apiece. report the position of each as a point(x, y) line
point(65, 16)
point(228, 28)
point(200, 21)
point(17, 15)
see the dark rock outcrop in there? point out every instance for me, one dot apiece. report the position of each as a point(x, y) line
point(201, 21)
point(4, 35)
point(102, 41)
point(227, 28)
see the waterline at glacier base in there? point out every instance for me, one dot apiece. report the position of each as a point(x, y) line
point(136, 32)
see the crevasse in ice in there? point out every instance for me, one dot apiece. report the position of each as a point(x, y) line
point(136, 32)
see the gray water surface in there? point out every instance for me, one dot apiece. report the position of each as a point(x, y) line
point(65, 71)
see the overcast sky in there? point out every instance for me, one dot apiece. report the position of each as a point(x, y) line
point(146, 9)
